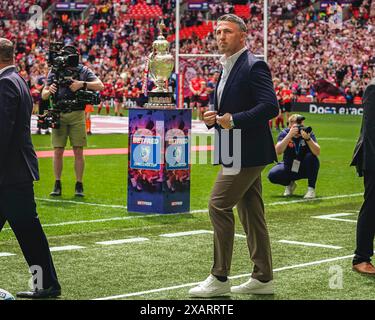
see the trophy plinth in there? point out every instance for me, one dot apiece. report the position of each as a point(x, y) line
point(161, 65)
point(160, 100)
point(159, 143)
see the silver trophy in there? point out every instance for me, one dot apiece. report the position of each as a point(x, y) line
point(161, 64)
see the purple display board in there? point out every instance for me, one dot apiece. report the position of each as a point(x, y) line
point(71, 6)
point(197, 5)
point(159, 160)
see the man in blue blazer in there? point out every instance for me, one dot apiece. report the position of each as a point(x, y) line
point(245, 101)
point(18, 170)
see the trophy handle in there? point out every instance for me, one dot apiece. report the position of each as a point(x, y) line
point(150, 59)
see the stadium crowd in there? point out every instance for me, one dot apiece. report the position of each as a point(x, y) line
point(309, 47)
point(304, 45)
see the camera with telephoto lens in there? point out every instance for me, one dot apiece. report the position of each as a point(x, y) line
point(64, 62)
point(301, 127)
point(82, 97)
point(51, 119)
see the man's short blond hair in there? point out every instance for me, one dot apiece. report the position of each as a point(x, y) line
point(293, 118)
point(235, 19)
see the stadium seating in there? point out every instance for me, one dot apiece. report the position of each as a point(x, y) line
point(340, 99)
point(304, 99)
point(143, 11)
point(200, 31)
point(357, 100)
point(242, 10)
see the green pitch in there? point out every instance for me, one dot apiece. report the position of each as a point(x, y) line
point(171, 264)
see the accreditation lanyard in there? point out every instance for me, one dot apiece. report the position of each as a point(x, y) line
point(296, 163)
point(297, 147)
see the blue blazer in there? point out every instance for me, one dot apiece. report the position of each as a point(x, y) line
point(18, 161)
point(364, 152)
point(250, 97)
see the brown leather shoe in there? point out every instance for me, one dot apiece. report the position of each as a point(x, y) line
point(365, 268)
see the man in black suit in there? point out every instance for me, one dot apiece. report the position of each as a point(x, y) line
point(18, 170)
point(245, 100)
point(364, 160)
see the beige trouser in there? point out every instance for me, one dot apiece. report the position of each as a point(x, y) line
point(245, 191)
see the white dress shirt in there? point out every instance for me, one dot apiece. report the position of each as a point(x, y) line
point(227, 64)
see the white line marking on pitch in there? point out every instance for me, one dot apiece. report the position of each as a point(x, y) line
point(336, 139)
point(172, 214)
point(66, 248)
point(315, 199)
point(309, 244)
point(187, 233)
point(240, 235)
point(95, 221)
point(100, 220)
point(82, 203)
point(6, 254)
point(194, 232)
point(121, 241)
point(203, 210)
point(334, 217)
point(134, 294)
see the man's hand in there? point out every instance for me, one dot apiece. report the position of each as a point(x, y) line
point(292, 132)
point(224, 121)
point(76, 85)
point(305, 136)
point(53, 89)
point(209, 117)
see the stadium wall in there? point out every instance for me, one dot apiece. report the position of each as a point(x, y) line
point(328, 108)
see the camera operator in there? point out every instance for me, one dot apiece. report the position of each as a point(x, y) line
point(72, 122)
point(300, 157)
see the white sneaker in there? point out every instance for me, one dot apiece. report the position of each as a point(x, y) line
point(254, 286)
point(290, 189)
point(211, 287)
point(310, 194)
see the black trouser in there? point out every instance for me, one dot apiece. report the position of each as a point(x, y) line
point(17, 206)
point(282, 174)
point(366, 222)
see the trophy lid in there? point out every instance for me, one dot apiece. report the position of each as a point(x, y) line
point(161, 44)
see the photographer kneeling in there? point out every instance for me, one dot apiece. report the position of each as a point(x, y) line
point(300, 157)
point(67, 82)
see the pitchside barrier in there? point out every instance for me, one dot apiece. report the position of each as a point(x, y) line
point(311, 107)
point(328, 108)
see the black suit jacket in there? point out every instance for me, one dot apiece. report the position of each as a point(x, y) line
point(18, 161)
point(250, 97)
point(364, 152)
